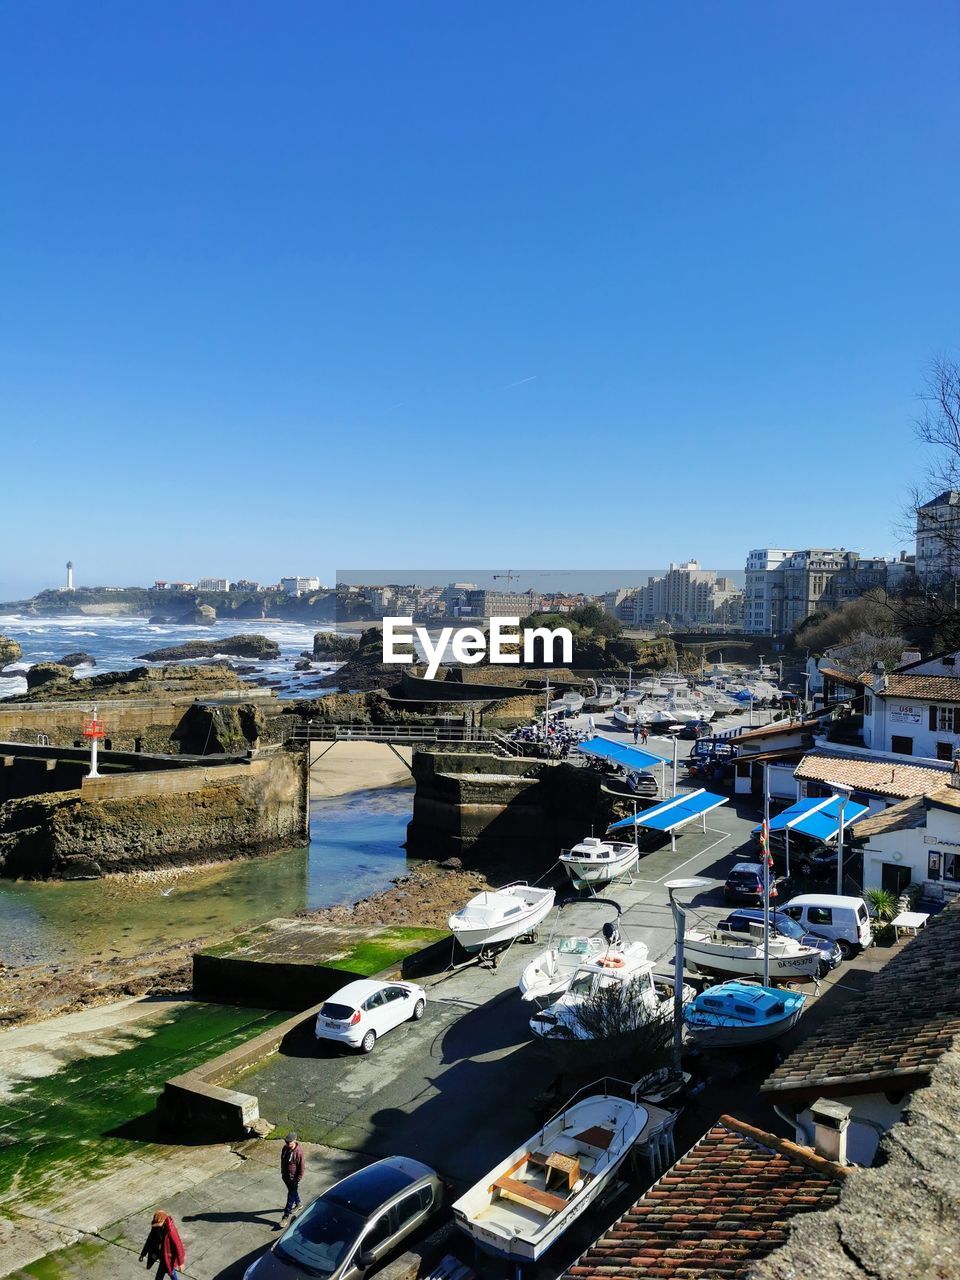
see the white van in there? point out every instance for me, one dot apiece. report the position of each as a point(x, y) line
point(845, 920)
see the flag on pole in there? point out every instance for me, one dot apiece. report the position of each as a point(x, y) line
point(765, 842)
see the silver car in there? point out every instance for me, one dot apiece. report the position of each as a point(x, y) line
point(351, 1228)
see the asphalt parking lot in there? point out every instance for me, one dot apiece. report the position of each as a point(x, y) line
point(456, 1088)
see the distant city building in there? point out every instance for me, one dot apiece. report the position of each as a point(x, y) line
point(480, 603)
point(160, 585)
point(246, 584)
point(785, 587)
point(686, 594)
point(300, 586)
point(455, 597)
point(938, 537)
point(182, 587)
point(381, 599)
point(213, 584)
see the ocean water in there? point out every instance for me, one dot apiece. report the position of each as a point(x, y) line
point(355, 849)
point(115, 643)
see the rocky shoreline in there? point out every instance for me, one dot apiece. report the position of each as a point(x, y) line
point(426, 896)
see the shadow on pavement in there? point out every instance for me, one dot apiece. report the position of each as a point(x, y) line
point(253, 1215)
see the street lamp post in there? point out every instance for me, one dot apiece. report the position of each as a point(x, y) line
point(842, 793)
point(679, 916)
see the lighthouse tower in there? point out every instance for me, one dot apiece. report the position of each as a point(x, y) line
point(69, 575)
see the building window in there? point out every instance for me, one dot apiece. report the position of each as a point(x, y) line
point(868, 706)
point(901, 746)
point(944, 750)
point(933, 865)
point(951, 866)
point(945, 719)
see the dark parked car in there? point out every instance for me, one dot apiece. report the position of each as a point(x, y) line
point(694, 729)
point(745, 884)
point(348, 1230)
point(740, 922)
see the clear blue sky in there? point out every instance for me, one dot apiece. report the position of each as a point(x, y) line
point(292, 286)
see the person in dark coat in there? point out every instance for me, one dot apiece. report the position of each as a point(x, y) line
point(164, 1246)
point(292, 1166)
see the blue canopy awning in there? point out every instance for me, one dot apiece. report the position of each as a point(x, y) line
point(629, 757)
point(671, 814)
point(817, 818)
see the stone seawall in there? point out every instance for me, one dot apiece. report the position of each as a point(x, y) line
point(482, 807)
point(138, 821)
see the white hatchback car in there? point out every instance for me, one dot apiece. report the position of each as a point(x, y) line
point(362, 1011)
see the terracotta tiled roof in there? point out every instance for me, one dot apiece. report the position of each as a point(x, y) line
point(720, 1208)
point(881, 777)
point(893, 1032)
point(929, 688)
point(778, 727)
point(903, 816)
point(841, 677)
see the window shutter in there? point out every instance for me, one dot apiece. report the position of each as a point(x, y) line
point(956, 719)
point(933, 719)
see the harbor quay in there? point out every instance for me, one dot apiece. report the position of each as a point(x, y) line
point(456, 1089)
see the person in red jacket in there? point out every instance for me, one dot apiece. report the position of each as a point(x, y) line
point(292, 1165)
point(164, 1246)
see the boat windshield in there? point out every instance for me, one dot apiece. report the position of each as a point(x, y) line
point(582, 984)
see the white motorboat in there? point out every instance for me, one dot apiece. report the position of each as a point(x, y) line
point(741, 954)
point(527, 1201)
point(681, 710)
point(569, 703)
point(548, 974)
point(596, 861)
point(500, 915)
point(626, 973)
point(602, 699)
point(739, 1013)
point(635, 711)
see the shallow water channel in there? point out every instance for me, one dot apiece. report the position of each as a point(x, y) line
point(355, 850)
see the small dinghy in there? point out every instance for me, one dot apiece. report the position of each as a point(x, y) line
point(527, 1201)
point(500, 915)
point(741, 1013)
point(595, 861)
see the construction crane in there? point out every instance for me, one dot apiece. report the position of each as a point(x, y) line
point(509, 575)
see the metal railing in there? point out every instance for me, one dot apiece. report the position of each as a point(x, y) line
point(398, 735)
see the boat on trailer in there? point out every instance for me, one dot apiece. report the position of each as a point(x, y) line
point(596, 861)
point(742, 954)
point(738, 1013)
point(527, 1201)
point(497, 916)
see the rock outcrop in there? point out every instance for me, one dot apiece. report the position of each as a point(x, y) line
point(221, 730)
point(242, 646)
point(10, 651)
point(50, 681)
point(198, 615)
point(43, 674)
point(329, 647)
point(78, 659)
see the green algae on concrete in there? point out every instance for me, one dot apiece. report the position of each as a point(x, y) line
point(357, 949)
point(75, 1260)
point(97, 1110)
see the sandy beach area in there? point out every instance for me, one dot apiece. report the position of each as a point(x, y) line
point(337, 768)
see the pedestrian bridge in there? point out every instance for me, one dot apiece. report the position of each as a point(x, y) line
point(397, 735)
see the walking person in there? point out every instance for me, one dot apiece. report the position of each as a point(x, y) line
point(591, 725)
point(292, 1165)
point(636, 732)
point(164, 1246)
point(644, 735)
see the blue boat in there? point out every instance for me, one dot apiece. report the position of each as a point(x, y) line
point(737, 1013)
